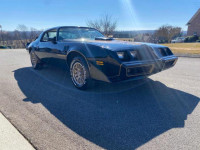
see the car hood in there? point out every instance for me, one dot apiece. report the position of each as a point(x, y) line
point(116, 45)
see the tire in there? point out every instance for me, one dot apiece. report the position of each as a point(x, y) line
point(80, 73)
point(35, 60)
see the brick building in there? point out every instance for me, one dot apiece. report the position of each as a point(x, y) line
point(194, 25)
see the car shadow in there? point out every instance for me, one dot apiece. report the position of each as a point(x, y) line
point(123, 119)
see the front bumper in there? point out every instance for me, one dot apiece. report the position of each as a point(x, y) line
point(138, 69)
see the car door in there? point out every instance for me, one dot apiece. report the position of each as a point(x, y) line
point(55, 52)
point(47, 46)
point(40, 48)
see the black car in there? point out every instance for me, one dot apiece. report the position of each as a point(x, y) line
point(92, 56)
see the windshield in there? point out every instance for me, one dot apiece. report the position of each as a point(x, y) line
point(78, 33)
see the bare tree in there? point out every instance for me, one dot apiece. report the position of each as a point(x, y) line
point(2, 36)
point(106, 24)
point(167, 32)
point(33, 33)
point(24, 35)
point(18, 38)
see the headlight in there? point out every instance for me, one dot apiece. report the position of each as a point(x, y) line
point(121, 55)
point(133, 54)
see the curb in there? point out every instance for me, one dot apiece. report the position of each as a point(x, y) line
point(25, 139)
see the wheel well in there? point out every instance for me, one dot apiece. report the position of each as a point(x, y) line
point(71, 55)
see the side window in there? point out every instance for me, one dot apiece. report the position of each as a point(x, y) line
point(68, 33)
point(52, 34)
point(49, 35)
point(45, 37)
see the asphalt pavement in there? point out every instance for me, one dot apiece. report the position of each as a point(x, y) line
point(160, 112)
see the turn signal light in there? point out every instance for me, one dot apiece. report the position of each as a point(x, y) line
point(100, 63)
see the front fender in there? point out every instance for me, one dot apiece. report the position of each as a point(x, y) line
point(92, 54)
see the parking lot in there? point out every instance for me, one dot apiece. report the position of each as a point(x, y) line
point(160, 112)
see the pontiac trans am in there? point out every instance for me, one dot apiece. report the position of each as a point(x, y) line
point(91, 56)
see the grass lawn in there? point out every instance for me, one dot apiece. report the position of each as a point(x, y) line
point(184, 48)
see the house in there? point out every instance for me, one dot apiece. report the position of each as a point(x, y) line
point(194, 25)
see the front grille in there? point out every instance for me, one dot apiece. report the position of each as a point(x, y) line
point(139, 70)
point(146, 54)
point(165, 51)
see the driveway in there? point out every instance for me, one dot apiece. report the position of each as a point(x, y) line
point(160, 112)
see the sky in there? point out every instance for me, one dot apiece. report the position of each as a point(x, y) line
point(130, 14)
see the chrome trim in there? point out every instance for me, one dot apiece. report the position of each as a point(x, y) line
point(78, 74)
